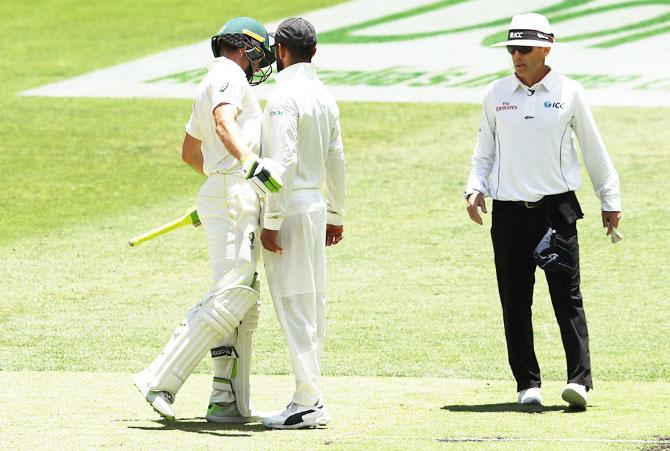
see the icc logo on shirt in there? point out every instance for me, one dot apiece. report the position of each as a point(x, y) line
point(548, 104)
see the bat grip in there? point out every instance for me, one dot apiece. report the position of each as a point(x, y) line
point(136, 241)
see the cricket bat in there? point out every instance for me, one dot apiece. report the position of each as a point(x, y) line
point(191, 217)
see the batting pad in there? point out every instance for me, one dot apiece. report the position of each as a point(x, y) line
point(206, 324)
point(231, 361)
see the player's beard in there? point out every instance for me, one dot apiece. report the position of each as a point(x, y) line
point(280, 64)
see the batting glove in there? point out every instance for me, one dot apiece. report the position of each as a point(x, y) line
point(263, 173)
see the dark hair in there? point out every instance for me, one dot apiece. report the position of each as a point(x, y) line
point(300, 54)
point(225, 47)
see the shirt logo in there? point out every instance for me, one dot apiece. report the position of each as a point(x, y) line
point(224, 87)
point(505, 107)
point(277, 113)
point(558, 105)
point(515, 35)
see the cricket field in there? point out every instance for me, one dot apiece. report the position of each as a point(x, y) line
point(415, 354)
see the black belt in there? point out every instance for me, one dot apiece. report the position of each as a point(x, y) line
point(523, 203)
point(548, 200)
point(526, 204)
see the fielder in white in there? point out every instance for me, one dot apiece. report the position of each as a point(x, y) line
point(222, 141)
point(301, 130)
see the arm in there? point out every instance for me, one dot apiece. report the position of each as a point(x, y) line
point(191, 153)
point(598, 164)
point(335, 186)
point(228, 131)
point(264, 179)
point(481, 162)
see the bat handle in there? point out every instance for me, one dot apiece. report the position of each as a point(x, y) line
point(136, 241)
point(139, 239)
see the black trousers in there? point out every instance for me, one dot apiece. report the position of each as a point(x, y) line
point(515, 232)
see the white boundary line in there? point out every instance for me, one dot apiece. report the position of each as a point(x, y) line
point(447, 67)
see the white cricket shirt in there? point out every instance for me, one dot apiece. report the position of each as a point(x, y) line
point(224, 83)
point(301, 130)
point(526, 148)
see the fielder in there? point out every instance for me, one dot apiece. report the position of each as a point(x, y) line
point(526, 160)
point(222, 141)
point(301, 130)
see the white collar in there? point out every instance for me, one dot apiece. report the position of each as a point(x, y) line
point(548, 82)
point(287, 73)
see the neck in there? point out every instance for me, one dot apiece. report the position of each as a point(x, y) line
point(290, 62)
point(531, 79)
point(236, 57)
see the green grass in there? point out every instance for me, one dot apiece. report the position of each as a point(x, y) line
point(103, 410)
point(411, 288)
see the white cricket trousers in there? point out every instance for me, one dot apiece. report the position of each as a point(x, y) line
point(297, 282)
point(229, 210)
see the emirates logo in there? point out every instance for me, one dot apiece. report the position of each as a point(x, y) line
point(506, 107)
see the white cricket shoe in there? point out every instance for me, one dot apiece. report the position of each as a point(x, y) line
point(159, 400)
point(227, 413)
point(575, 395)
point(530, 396)
point(297, 416)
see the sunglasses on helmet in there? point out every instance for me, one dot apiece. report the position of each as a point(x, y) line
point(523, 49)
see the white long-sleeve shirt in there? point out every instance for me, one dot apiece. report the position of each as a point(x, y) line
point(301, 130)
point(526, 149)
point(224, 83)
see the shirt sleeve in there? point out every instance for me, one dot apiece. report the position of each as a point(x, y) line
point(283, 129)
point(598, 164)
point(335, 176)
point(192, 126)
point(485, 151)
point(226, 90)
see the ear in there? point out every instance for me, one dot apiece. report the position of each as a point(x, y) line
point(546, 51)
point(281, 50)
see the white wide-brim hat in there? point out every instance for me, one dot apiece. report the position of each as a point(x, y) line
point(530, 30)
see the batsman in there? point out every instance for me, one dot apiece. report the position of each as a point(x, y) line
point(222, 142)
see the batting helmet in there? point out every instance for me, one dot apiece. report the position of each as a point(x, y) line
point(247, 33)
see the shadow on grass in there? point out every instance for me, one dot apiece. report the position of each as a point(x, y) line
point(200, 426)
point(508, 407)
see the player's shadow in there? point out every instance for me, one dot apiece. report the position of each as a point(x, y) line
point(508, 407)
point(198, 425)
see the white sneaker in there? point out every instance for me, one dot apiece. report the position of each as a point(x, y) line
point(159, 400)
point(297, 416)
point(530, 396)
point(575, 395)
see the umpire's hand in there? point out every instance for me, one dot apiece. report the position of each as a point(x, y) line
point(474, 201)
point(611, 220)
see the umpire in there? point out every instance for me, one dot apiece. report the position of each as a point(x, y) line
point(525, 160)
